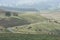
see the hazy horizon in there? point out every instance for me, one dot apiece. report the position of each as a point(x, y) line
point(38, 4)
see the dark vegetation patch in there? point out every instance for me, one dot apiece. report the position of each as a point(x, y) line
point(10, 22)
point(29, 27)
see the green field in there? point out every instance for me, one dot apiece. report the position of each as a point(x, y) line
point(10, 36)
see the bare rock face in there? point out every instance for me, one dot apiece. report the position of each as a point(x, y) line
point(11, 22)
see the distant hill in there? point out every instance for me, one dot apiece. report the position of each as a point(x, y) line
point(18, 9)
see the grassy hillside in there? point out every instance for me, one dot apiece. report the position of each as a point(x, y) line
point(29, 24)
point(32, 17)
point(29, 27)
point(38, 25)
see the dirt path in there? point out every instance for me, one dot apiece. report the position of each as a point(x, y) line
point(11, 29)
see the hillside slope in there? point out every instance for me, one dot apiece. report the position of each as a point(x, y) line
point(39, 25)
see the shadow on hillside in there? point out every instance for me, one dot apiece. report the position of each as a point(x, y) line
point(11, 22)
